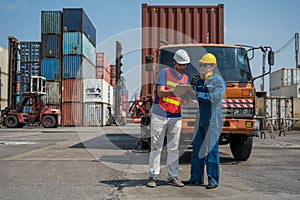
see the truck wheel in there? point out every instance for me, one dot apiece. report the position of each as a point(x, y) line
point(11, 121)
point(49, 121)
point(241, 146)
point(145, 143)
point(145, 133)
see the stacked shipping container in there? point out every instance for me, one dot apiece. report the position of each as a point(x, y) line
point(51, 56)
point(285, 82)
point(30, 65)
point(80, 91)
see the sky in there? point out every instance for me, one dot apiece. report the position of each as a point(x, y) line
point(255, 22)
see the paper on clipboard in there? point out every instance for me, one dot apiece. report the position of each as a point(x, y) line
point(181, 89)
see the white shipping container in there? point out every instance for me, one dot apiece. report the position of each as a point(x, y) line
point(288, 91)
point(88, 69)
point(3, 77)
point(93, 90)
point(279, 107)
point(92, 115)
point(4, 60)
point(107, 92)
point(284, 77)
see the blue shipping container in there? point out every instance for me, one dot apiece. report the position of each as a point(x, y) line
point(27, 70)
point(89, 51)
point(76, 43)
point(24, 88)
point(75, 19)
point(30, 51)
point(51, 68)
point(78, 67)
point(51, 22)
point(51, 45)
point(72, 43)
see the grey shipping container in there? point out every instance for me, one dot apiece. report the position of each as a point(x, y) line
point(51, 45)
point(30, 51)
point(284, 77)
point(78, 67)
point(75, 19)
point(51, 22)
point(51, 68)
point(92, 114)
point(76, 43)
point(53, 93)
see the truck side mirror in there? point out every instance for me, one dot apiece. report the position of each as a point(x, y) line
point(149, 62)
point(271, 57)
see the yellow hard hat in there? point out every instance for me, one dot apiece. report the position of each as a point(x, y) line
point(208, 58)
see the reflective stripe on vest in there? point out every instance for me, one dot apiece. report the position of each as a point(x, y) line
point(172, 104)
point(172, 84)
point(171, 101)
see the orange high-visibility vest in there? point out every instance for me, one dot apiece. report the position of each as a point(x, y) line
point(168, 103)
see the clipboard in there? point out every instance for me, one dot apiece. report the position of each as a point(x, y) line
point(181, 89)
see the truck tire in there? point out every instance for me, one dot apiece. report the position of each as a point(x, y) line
point(49, 121)
point(11, 121)
point(241, 146)
point(145, 143)
point(145, 133)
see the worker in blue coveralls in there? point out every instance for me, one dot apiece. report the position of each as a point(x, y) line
point(209, 89)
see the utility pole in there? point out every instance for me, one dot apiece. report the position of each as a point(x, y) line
point(262, 86)
point(297, 49)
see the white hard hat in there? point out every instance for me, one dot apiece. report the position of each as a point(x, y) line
point(181, 57)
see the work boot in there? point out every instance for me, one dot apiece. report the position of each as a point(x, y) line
point(152, 182)
point(211, 186)
point(175, 182)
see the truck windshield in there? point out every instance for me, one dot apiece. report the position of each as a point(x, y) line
point(233, 64)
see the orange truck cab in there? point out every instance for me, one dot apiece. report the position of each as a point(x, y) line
point(238, 105)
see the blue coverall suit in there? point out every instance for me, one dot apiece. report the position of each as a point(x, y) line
point(208, 129)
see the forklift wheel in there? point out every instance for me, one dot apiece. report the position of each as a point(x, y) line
point(49, 121)
point(11, 121)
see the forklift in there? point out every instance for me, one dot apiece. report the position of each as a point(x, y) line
point(38, 114)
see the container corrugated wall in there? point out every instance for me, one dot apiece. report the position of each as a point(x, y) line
point(72, 90)
point(51, 22)
point(202, 24)
point(288, 91)
point(78, 67)
point(51, 45)
point(92, 114)
point(284, 77)
point(53, 93)
point(51, 68)
point(76, 43)
point(72, 114)
point(75, 19)
point(88, 50)
point(30, 51)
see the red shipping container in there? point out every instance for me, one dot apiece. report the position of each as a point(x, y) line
point(72, 114)
point(102, 61)
point(72, 90)
point(102, 73)
point(177, 25)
